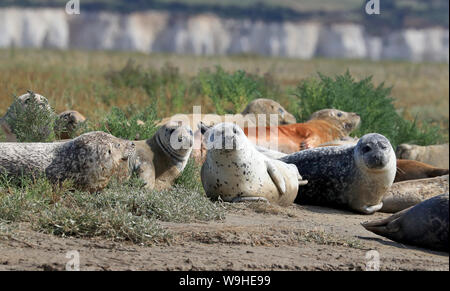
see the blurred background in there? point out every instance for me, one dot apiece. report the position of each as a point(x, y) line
point(415, 30)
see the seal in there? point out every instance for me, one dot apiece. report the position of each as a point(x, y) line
point(68, 122)
point(412, 170)
point(19, 105)
point(256, 113)
point(324, 126)
point(268, 107)
point(424, 225)
point(235, 171)
point(162, 158)
point(90, 160)
point(350, 176)
point(435, 155)
point(405, 194)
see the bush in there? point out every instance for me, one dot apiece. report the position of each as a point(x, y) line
point(230, 93)
point(373, 104)
point(131, 124)
point(33, 122)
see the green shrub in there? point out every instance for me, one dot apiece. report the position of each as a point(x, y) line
point(33, 122)
point(126, 124)
point(230, 93)
point(373, 104)
point(190, 177)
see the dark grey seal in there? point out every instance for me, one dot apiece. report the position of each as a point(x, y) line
point(424, 225)
point(349, 176)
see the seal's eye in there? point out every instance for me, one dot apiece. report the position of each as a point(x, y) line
point(211, 137)
point(171, 130)
point(366, 149)
point(234, 130)
point(339, 114)
point(280, 110)
point(190, 132)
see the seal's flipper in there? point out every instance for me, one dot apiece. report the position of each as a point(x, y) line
point(386, 226)
point(203, 127)
point(372, 209)
point(276, 176)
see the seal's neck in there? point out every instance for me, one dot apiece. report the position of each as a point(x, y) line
point(172, 157)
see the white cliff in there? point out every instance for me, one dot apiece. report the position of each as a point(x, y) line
point(208, 34)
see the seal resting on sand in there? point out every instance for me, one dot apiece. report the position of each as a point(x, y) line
point(235, 171)
point(424, 225)
point(354, 177)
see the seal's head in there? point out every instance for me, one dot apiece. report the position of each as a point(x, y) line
point(268, 106)
point(346, 122)
point(68, 121)
point(28, 99)
point(224, 136)
point(374, 152)
point(176, 140)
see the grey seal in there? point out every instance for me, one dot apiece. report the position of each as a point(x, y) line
point(350, 176)
point(424, 225)
point(90, 161)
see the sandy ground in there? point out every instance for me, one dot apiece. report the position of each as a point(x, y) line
point(253, 236)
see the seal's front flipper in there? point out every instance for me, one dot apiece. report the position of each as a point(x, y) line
point(371, 209)
point(276, 176)
point(249, 199)
point(385, 227)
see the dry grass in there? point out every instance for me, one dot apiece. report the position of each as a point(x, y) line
point(76, 80)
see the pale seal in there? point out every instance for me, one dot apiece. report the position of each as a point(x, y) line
point(405, 194)
point(90, 160)
point(162, 158)
point(235, 171)
point(355, 177)
point(424, 225)
point(268, 107)
point(435, 155)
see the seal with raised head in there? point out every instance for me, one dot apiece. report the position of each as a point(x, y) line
point(90, 160)
point(424, 225)
point(405, 194)
point(235, 171)
point(324, 126)
point(355, 177)
point(435, 155)
point(268, 107)
point(20, 104)
point(162, 158)
point(68, 122)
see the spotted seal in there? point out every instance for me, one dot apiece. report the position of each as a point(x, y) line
point(162, 158)
point(349, 176)
point(90, 160)
point(424, 225)
point(235, 171)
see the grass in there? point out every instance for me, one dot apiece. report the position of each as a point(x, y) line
point(121, 212)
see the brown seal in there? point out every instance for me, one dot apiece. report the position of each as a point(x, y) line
point(90, 160)
point(323, 126)
point(68, 122)
point(412, 170)
point(162, 158)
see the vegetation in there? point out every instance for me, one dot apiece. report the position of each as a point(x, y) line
point(373, 104)
point(125, 99)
